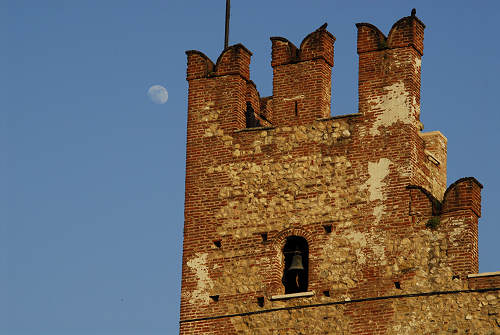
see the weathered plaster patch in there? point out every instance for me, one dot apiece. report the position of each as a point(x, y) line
point(395, 106)
point(357, 238)
point(377, 171)
point(378, 211)
point(455, 234)
point(199, 266)
point(211, 130)
point(418, 64)
point(211, 116)
point(379, 251)
point(416, 108)
point(358, 241)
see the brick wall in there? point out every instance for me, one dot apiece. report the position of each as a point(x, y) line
point(366, 191)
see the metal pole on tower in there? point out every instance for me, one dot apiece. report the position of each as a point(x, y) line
point(228, 13)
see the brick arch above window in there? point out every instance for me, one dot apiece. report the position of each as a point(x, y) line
point(275, 286)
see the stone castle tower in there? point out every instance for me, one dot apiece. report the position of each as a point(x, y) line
point(297, 222)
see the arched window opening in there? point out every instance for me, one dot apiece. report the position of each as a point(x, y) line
point(295, 272)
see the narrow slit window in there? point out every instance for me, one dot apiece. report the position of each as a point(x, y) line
point(251, 120)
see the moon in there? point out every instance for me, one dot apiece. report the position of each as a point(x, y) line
point(158, 94)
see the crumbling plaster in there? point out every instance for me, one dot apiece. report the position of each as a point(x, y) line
point(204, 283)
point(396, 105)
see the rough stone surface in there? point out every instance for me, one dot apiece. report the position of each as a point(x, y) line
point(390, 247)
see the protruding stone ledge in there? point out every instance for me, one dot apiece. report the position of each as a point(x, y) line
point(335, 117)
point(484, 274)
point(293, 295)
point(433, 134)
point(253, 129)
point(484, 280)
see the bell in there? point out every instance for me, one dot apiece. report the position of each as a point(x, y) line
point(296, 262)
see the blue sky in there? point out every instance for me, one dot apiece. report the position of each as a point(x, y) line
point(92, 212)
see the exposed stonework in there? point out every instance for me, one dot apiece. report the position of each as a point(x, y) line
point(460, 313)
point(390, 247)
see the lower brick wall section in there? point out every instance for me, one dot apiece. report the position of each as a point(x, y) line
point(449, 312)
point(484, 281)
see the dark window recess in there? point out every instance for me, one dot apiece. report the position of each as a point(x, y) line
point(218, 244)
point(251, 121)
point(328, 228)
point(397, 285)
point(295, 272)
point(214, 297)
point(326, 293)
point(264, 237)
point(260, 301)
point(296, 109)
point(455, 277)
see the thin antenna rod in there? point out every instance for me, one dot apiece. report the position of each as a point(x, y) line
point(228, 10)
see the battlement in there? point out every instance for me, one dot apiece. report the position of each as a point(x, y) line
point(301, 80)
point(457, 216)
point(316, 45)
point(464, 194)
point(234, 60)
point(389, 76)
point(408, 31)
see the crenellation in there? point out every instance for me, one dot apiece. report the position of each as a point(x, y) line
point(234, 59)
point(408, 31)
point(302, 78)
point(199, 65)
